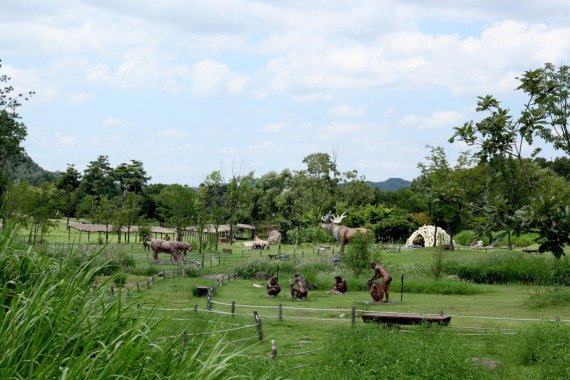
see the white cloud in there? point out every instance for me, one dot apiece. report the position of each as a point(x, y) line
point(171, 133)
point(113, 122)
point(438, 119)
point(337, 129)
point(211, 78)
point(274, 127)
point(346, 110)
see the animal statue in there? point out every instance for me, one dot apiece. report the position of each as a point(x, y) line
point(342, 234)
point(274, 237)
point(165, 246)
point(260, 244)
point(182, 246)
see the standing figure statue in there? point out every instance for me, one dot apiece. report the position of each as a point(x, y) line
point(381, 272)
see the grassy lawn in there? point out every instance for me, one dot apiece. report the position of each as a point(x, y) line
point(487, 320)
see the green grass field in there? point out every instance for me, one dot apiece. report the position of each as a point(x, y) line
point(487, 321)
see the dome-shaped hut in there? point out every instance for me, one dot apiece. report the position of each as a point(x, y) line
point(423, 237)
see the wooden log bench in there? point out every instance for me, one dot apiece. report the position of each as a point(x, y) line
point(405, 319)
point(201, 291)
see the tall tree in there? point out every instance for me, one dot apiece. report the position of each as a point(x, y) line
point(130, 177)
point(238, 201)
point(176, 206)
point(548, 110)
point(12, 130)
point(98, 179)
point(68, 183)
point(499, 136)
point(322, 181)
point(213, 194)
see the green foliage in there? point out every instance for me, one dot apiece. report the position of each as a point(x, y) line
point(437, 265)
point(550, 296)
point(66, 329)
point(311, 234)
point(447, 286)
point(120, 279)
point(357, 256)
point(249, 269)
point(547, 346)
point(514, 268)
point(369, 352)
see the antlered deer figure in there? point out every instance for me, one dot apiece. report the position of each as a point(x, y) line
point(342, 234)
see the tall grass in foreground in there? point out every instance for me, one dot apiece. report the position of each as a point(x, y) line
point(53, 324)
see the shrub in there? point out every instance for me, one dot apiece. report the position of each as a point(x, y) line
point(120, 279)
point(515, 268)
point(357, 256)
point(547, 346)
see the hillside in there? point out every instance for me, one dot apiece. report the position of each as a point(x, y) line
point(391, 184)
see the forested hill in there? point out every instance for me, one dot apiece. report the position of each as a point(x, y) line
point(26, 170)
point(391, 184)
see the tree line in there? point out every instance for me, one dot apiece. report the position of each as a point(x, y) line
point(495, 189)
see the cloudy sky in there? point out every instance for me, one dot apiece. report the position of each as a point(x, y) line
point(189, 87)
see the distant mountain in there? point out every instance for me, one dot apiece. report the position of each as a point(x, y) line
point(391, 184)
point(24, 169)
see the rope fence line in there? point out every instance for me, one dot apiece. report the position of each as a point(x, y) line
point(280, 307)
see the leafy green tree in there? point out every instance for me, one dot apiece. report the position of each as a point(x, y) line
point(354, 192)
point(104, 213)
point(321, 184)
point(548, 110)
point(68, 183)
point(498, 136)
point(130, 177)
point(238, 199)
point(12, 130)
point(176, 206)
point(98, 180)
point(292, 206)
point(213, 194)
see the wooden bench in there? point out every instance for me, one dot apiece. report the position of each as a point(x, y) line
point(202, 291)
point(227, 250)
point(405, 319)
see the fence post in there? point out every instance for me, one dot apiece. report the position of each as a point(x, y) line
point(138, 287)
point(233, 308)
point(280, 312)
point(148, 282)
point(353, 316)
point(195, 308)
point(258, 324)
point(209, 303)
point(402, 288)
point(112, 290)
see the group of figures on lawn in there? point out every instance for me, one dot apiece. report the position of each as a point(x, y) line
point(299, 289)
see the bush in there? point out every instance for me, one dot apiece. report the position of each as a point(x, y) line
point(514, 268)
point(547, 346)
point(120, 279)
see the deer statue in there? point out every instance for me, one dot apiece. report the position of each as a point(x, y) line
point(342, 234)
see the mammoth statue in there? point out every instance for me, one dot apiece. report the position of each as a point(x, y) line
point(342, 234)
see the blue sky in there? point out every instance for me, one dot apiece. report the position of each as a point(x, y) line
point(189, 87)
